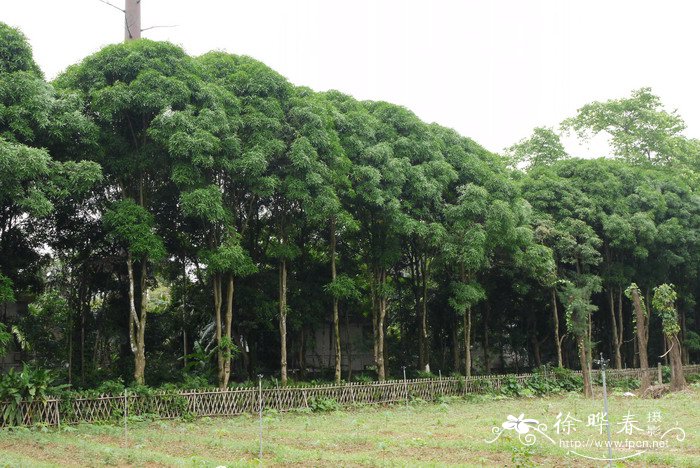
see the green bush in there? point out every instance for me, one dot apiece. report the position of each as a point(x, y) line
point(567, 379)
point(30, 384)
point(693, 378)
point(363, 378)
point(323, 404)
point(511, 387)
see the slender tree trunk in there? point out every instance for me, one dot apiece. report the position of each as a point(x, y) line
point(70, 346)
point(555, 316)
point(585, 371)
point(642, 335)
point(336, 319)
point(375, 314)
point(677, 377)
point(218, 302)
point(137, 324)
point(424, 347)
point(227, 333)
point(682, 338)
point(487, 359)
point(184, 348)
point(82, 342)
point(455, 347)
point(589, 343)
point(283, 320)
point(381, 315)
point(348, 343)
point(467, 342)
point(615, 337)
point(620, 325)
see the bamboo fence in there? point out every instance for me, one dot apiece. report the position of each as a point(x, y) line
point(215, 402)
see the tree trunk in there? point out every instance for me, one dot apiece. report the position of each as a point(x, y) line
point(137, 324)
point(283, 320)
point(218, 300)
point(227, 334)
point(677, 377)
point(336, 319)
point(423, 341)
point(381, 315)
point(70, 346)
point(615, 336)
point(487, 360)
point(642, 320)
point(132, 20)
point(467, 342)
point(585, 371)
point(83, 312)
point(348, 343)
point(685, 355)
point(555, 316)
point(455, 347)
point(620, 324)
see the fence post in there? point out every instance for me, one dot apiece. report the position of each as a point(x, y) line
point(260, 412)
point(126, 412)
point(405, 384)
point(659, 373)
point(58, 413)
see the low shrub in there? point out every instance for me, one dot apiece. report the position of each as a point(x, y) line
point(323, 404)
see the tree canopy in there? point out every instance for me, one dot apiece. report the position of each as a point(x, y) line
point(202, 219)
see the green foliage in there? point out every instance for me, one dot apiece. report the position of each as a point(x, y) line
point(28, 385)
point(567, 380)
point(544, 147)
point(216, 168)
point(15, 52)
point(5, 339)
point(577, 300)
point(664, 302)
point(323, 404)
point(640, 129)
point(134, 228)
point(343, 288)
point(230, 257)
point(6, 292)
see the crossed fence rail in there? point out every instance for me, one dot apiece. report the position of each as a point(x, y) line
point(231, 402)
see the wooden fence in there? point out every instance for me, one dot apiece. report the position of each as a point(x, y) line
point(209, 402)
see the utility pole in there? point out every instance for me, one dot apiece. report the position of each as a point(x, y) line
point(132, 19)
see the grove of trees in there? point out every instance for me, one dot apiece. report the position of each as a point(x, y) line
point(172, 218)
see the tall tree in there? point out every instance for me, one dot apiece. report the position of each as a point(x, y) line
point(126, 87)
point(665, 305)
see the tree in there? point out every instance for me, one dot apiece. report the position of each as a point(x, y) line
point(125, 88)
point(641, 325)
point(39, 128)
point(664, 302)
point(543, 148)
point(577, 299)
point(640, 129)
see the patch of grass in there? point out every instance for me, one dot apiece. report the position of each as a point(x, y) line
point(451, 432)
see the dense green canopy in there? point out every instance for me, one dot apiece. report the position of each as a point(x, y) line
point(201, 219)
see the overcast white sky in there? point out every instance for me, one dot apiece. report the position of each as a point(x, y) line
point(493, 70)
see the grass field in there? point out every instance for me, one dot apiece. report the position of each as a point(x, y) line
point(432, 434)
